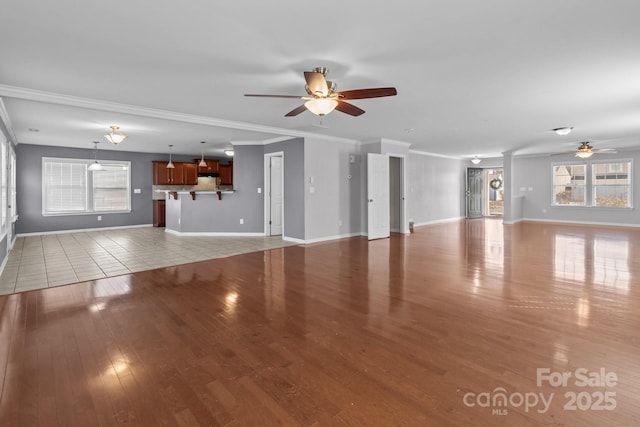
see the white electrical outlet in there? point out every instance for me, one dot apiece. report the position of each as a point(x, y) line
point(259, 190)
point(137, 191)
point(241, 220)
point(99, 217)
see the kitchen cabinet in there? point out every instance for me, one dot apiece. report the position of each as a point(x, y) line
point(183, 173)
point(190, 173)
point(213, 166)
point(226, 174)
point(159, 213)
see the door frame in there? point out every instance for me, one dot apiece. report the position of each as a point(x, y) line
point(404, 224)
point(267, 191)
point(372, 197)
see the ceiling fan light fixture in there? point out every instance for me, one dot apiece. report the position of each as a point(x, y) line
point(115, 136)
point(563, 130)
point(476, 160)
point(584, 154)
point(584, 151)
point(229, 152)
point(321, 106)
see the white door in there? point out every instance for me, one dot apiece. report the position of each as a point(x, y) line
point(275, 196)
point(377, 196)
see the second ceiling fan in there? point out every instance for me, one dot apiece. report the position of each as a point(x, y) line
point(322, 97)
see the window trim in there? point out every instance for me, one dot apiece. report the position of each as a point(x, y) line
point(589, 185)
point(586, 185)
point(89, 204)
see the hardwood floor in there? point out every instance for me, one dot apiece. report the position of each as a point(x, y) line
point(451, 325)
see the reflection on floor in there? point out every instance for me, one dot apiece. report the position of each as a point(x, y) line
point(50, 260)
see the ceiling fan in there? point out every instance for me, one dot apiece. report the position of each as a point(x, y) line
point(585, 150)
point(322, 97)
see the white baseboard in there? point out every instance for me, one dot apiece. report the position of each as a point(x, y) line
point(438, 221)
point(294, 240)
point(81, 230)
point(336, 237)
point(212, 233)
point(603, 224)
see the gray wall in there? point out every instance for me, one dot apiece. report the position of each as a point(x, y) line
point(333, 208)
point(29, 189)
point(294, 185)
point(435, 188)
point(208, 214)
point(535, 173)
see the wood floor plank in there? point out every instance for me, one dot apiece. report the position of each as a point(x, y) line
point(410, 330)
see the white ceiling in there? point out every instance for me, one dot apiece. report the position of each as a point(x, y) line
point(473, 77)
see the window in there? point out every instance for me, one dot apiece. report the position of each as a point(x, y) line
point(3, 186)
point(70, 188)
point(569, 185)
point(611, 184)
point(13, 206)
point(596, 184)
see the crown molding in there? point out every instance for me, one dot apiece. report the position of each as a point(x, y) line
point(80, 102)
point(6, 120)
point(426, 153)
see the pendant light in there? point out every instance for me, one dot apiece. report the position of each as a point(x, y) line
point(170, 164)
point(202, 163)
point(95, 166)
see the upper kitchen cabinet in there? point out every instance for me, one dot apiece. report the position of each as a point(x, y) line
point(226, 174)
point(183, 173)
point(213, 166)
point(190, 173)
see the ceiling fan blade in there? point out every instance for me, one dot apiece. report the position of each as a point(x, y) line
point(350, 109)
point(368, 93)
point(317, 83)
point(296, 111)
point(275, 96)
point(606, 150)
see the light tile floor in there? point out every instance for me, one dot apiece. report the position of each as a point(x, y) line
point(37, 262)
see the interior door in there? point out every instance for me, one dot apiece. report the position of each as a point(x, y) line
point(378, 222)
point(475, 192)
point(275, 195)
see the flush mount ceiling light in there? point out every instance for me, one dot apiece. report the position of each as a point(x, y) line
point(563, 130)
point(170, 164)
point(115, 136)
point(202, 163)
point(95, 166)
point(475, 160)
point(229, 153)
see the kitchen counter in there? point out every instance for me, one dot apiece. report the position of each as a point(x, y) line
point(210, 212)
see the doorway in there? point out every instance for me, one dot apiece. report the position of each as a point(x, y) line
point(485, 193)
point(494, 202)
point(475, 192)
point(274, 194)
point(386, 210)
